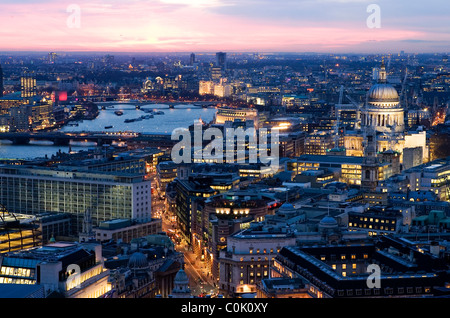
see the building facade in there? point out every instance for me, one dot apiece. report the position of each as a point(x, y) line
point(31, 190)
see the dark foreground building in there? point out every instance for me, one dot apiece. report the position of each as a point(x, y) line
point(338, 271)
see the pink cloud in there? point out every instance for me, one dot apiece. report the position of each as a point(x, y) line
point(170, 25)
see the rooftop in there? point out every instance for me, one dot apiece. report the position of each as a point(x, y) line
point(331, 159)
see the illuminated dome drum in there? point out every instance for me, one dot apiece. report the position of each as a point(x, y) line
point(383, 111)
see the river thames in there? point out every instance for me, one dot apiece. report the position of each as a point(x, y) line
point(182, 116)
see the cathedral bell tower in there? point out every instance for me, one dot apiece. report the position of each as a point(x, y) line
point(371, 163)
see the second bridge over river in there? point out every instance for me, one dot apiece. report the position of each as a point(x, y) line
point(100, 138)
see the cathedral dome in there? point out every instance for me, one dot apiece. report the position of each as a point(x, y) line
point(383, 92)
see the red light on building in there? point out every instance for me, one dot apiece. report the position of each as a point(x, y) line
point(62, 96)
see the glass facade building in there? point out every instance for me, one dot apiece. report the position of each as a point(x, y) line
point(32, 190)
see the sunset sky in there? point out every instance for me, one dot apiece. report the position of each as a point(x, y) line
point(225, 25)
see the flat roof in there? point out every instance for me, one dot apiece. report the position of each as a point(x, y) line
point(20, 290)
point(331, 159)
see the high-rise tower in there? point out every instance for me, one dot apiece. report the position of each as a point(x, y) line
point(28, 85)
point(221, 60)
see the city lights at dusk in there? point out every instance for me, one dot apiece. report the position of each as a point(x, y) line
point(225, 156)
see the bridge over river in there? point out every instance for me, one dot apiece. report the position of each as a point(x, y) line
point(100, 138)
point(138, 104)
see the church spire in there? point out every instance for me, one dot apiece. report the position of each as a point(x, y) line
point(382, 78)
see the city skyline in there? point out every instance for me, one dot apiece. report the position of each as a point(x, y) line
point(338, 26)
point(188, 149)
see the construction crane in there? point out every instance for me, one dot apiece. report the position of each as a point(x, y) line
point(338, 117)
point(403, 93)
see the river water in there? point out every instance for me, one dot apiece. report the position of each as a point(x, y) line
point(182, 116)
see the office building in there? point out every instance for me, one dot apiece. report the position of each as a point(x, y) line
point(166, 172)
point(28, 85)
point(221, 60)
point(234, 114)
point(382, 220)
point(432, 176)
point(247, 260)
point(342, 271)
point(32, 190)
point(126, 230)
point(283, 288)
point(75, 270)
point(319, 143)
point(18, 232)
point(190, 195)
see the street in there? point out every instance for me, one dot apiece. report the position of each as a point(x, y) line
point(200, 280)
